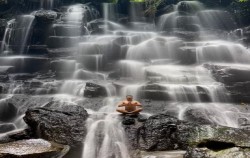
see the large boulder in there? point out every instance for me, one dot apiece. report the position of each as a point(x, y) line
point(225, 153)
point(94, 90)
point(8, 111)
point(45, 15)
point(35, 148)
point(61, 122)
point(235, 78)
point(164, 132)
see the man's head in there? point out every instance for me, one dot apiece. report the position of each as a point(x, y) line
point(129, 97)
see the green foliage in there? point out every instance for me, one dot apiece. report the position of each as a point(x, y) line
point(241, 11)
point(137, 0)
point(152, 7)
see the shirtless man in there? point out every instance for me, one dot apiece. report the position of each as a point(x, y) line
point(129, 106)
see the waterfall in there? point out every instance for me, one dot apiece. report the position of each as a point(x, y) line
point(105, 137)
point(17, 33)
point(47, 4)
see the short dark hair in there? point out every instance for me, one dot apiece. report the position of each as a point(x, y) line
point(129, 96)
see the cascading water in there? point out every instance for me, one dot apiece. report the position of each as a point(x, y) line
point(86, 55)
point(17, 34)
point(47, 4)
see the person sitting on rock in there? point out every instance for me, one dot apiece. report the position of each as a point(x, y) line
point(129, 106)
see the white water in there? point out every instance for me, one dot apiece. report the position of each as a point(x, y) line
point(47, 4)
point(105, 137)
point(17, 33)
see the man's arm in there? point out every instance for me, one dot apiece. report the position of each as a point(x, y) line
point(138, 104)
point(121, 104)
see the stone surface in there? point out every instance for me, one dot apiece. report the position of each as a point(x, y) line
point(25, 64)
point(236, 79)
point(61, 122)
point(7, 127)
point(226, 153)
point(8, 111)
point(45, 15)
point(164, 132)
point(35, 148)
point(94, 90)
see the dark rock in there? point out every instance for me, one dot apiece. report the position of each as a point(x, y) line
point(25, 64)
point(153, 91)
point(61, 122)
point(16, 135)
point(114, 75)
point(45, 16)
point(142, 118)
point(88, 75)
point(62, 41)
point(8, 111)
point(224, 20)
point(70, 30)
point(186, 35)
point(235, 78)
point(35, 148)
point(187, 55)
point(6, 69)
point(198, 116)
point(94, 90)
point(23, 76)
point(164, 132)
point(4, 78)
point(61, 52)
point(208, 153)
point(37, 49)
point(7, 127)
point(63, 65)
point(128, 121)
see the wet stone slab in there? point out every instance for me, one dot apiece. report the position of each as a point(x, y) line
point(32, 148)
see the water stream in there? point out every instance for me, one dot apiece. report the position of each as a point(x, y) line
point(147, 60)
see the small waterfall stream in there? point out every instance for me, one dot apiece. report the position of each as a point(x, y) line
point(106, 137)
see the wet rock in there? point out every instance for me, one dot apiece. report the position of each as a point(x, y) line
point(63, 65)
point(235, 78)
point(224, 20)
point(25, 64)
point(153, 91)
point(128, 121)
point(226, 153)
point(160, 154)
point(70, 30)
point(94, 90)
point(6, 69)
point(142, 118)
point(114, 75)
point(186, 35)
point(35, 148)
point(22, 76)
point(61, 122)
point(88, 75)
point(4, 78)
point(7, 127)
point(37, 49)
point(45, 16)
point(16, 135)
point(164, 132)
point(62, 41)
point(198, 116)
point(61, 52)
point(8, 111)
